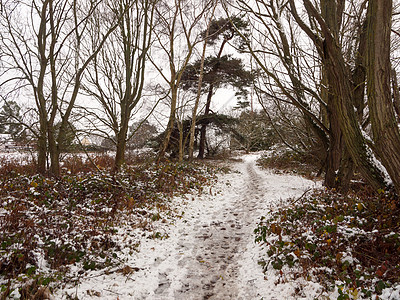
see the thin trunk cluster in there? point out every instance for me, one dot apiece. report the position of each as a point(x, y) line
point(43, 55)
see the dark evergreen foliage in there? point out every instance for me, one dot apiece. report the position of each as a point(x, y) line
point(220, 72)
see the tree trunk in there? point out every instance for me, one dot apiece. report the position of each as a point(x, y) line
point(359, 75)
point(170, 126)
point(346, 172)
point(42, 149)
point(202, 142)
point(335, 64)
point(335, 150)
point(347, 167)
point(201, 75)
point(331, 15)
point(203, 130)
point(182, 141)
point(39, 94)
point(347, 118)
point(121, 147)
point(54, 152)
point(396, 94)
point(383, 121)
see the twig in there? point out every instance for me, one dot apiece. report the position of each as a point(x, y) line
point(294, 201)
point(112, 292)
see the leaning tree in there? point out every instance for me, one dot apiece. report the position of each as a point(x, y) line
point(350, 44)
point(218, 70)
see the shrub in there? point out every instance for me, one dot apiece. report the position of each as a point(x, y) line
point(72, 220)
point(351, 243)
point(289, 161)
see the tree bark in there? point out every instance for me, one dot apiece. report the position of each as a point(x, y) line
point(181, 142)
point(349, 125)
point(383, 121)
point(54, 152)
point(333, 59)
point(39, 90)
point(203, 130)
point(335, 149)
point(121, 147)
point(331, 14)
point(347, 167)
point(359, 75)
point(170, 126)
point(42, 149)
point(345, 173)
point(396, 94)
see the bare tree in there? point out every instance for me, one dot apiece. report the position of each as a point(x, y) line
point(177, 38)
point(41, 44)
point(331, 53)
point(200, 82)
point(338, 35)
point(285, 63)
point(117, 75)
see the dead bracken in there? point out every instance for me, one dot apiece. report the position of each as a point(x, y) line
point(48, 225)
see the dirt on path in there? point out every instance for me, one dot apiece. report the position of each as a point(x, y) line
point(208, 251)
point(214, 258)
point(213, 263)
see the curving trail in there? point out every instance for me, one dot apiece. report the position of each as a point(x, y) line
point(213, 260)
point(213, 264)
point(210, 251)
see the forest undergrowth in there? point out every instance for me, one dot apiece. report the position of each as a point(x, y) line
point(49, 226)
point(350, 244)
point(55, 230)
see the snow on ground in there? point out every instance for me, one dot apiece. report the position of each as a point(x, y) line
point(19, 157)
point(210, 251)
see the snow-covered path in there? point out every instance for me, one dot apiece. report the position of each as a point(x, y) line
point(210, 252)
point(213, 259)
